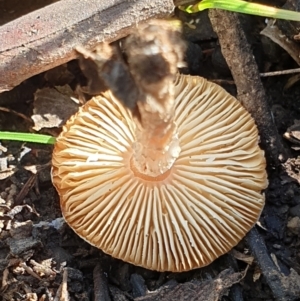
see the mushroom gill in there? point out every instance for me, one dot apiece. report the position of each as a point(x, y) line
point(185, 217)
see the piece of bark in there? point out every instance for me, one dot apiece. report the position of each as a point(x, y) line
point(210, 290)
point(47, 37)
point(250, 91)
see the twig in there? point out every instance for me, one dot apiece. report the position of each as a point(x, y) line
point(281, 72)
point(100, 285)
point(5, 278)
point(30, 271)
point(222, 81)
point(236, 291)
point(62, 292)
point(46, 38)
point(64, 289)
point(250, 91)
point(25, 189)
point(240, 60)
point(281, 288)
point(184, 2)
point(3, 109)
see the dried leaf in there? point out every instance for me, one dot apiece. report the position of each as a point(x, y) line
point(291, 81)
point(52, 108)
point(274, 33)
point(5, 170)
point(257, 273)
point(18, 209)
point(243, 257)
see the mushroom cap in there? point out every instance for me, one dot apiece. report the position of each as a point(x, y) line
point(184, 219)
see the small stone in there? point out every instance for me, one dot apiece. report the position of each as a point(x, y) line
point(295, 211)
point(139, 288)
point(75, 286)
point(13, 189)
point(74, 274)
point(3, 195)
point(117, 294)
point(294, 225)
point(21, 230)
point(3, 264)
point(19, 246)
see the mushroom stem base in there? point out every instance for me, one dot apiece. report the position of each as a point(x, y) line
point(155, 155)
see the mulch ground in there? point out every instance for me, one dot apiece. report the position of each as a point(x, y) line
point(41, 258)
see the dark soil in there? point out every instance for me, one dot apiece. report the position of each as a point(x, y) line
point(37, 249)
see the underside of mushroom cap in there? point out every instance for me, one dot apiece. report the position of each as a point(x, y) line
point(186, 217)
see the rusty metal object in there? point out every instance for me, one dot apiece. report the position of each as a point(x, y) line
point(47, 37)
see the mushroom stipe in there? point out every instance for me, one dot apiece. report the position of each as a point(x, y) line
point(183, 219)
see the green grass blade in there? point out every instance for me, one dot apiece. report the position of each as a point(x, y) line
point(27, 137)
point(240, 6)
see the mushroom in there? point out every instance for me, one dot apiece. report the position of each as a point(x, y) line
point(169, 189)
point(182, 219)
